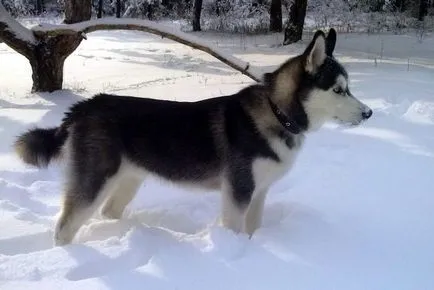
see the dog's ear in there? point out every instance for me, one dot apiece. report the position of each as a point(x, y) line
point(331, 42)
point(315, 53)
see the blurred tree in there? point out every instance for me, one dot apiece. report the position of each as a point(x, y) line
point(197, 9)
point(294, 26)
point(276, 16)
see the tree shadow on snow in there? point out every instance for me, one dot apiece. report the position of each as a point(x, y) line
point(169, 60)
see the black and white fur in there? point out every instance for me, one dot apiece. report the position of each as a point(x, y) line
point(239, 143)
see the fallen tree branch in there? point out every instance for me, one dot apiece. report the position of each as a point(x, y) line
point(154, 28)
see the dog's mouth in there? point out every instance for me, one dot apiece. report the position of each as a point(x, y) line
point(349, 124)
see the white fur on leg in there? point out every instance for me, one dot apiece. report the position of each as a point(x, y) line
point(254, 213)
point(77, 211)
point(69, 223)
point(121, 197)
point(232, 216)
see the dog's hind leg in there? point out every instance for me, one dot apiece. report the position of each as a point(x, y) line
point(92, 174)
point(255, 212)
point(78, 206)
point(121, 196)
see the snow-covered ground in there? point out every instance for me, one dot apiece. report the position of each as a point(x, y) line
point(357, 211)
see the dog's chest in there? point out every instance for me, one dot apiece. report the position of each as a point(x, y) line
point(266, 171)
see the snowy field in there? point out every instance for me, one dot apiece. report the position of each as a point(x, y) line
point(356, 213)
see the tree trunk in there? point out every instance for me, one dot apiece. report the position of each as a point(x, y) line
point(77, 11)
point(197, 9)
point(99, 14)
point(39, 6)
point(47, 61)
point(276, 16)
point(217, 7)
point(49, 54)
point(294, 27)
point(47, 74)
point(150, 11)
point(118, 8)
point(401, 6)
point(423, 5)
point(168, 4)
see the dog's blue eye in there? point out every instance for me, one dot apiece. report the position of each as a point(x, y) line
point(339, 91)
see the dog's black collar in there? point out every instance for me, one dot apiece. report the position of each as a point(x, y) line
point(284, 120)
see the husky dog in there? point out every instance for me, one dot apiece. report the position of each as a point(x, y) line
point(239, 144)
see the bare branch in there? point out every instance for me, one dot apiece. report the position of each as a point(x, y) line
point(14, 34)
point(154, 28)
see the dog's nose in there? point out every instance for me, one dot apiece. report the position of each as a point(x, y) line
point(367, 114)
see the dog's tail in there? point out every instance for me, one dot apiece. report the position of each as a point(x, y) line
point(38, 146)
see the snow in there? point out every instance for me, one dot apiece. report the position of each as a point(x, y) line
point(15, 27)
point(355, 213)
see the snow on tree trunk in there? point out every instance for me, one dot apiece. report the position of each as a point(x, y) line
point(197, 9)
point(46, 53)
point(295, 23)
point(276, 16)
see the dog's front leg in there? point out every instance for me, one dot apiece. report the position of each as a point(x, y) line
point(237, 192)
point(232, 214)
point(255, 212)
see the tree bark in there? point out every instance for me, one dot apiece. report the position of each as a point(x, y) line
point(77, 11)
point(118, 8)
point(217, 7)
point(99, 13)
point(197, 9)
point(22, 46)
point(294, 27)
point(150, 12)
point(47, 61)
point(423, 6)
point(276, 16)
point(39, 6)
point(49, 54)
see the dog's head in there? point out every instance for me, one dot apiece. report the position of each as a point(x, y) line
point(329, 96)
point(319, 84)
